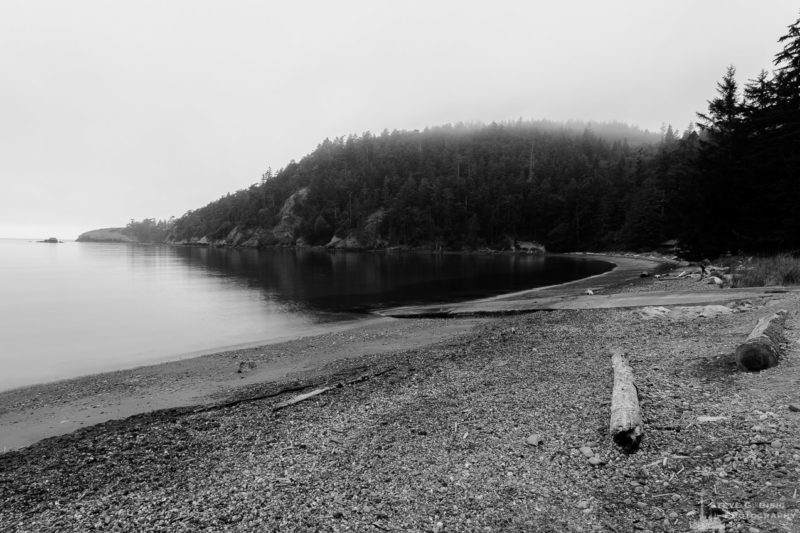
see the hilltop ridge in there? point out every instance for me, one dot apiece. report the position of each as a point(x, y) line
point(445, 188)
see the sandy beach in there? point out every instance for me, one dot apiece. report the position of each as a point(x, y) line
point(459, 424)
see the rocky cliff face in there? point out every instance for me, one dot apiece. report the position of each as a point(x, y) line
point(286, 232)
point(289, 231)
point(368, 237)
point(106, 235)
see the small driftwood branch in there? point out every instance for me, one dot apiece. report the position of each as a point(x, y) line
point(761, 349)
point(301, 397)
point(626, 415)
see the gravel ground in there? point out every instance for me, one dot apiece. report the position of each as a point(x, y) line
point(484, 432)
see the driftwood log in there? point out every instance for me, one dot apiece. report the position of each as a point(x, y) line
point(301, 397)
point(761, 349)
point(626, 415)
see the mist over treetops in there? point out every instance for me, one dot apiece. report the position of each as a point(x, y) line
point(730, 185)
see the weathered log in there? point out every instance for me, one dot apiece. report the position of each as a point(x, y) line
point(761, 349)
point(301, 397)
point(626, 416)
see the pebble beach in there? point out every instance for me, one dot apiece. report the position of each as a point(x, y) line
point(468, 424)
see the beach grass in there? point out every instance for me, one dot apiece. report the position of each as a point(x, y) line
point(780, 269)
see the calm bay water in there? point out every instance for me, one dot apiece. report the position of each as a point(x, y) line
point(72, 309)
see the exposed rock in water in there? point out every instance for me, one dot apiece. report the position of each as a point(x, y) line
point(51, 240)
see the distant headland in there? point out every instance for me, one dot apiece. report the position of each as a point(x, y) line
point(106, 235)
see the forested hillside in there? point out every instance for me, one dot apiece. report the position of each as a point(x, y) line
point(451, 186)
point(732, 185)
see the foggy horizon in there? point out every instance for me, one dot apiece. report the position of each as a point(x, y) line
point(140, 110)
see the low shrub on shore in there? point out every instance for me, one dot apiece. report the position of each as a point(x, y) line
point(781, 269)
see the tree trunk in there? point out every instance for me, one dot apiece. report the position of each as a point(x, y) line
point(761, 349)
point(626, 416)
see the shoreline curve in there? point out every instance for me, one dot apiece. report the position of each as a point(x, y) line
point(627, 268)
point(31, 413)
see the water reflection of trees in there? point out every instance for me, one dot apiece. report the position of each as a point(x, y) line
point(339, 280)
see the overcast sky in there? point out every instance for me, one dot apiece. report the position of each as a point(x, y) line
point(112, 110)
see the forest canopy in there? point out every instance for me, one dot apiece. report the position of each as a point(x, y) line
point(731, 185)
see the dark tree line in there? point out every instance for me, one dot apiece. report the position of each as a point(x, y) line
point(149, 230)
point(455, 187)
point(749, 159)
point(732, 185)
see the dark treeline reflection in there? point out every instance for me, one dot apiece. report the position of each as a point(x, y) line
point(342, 281)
